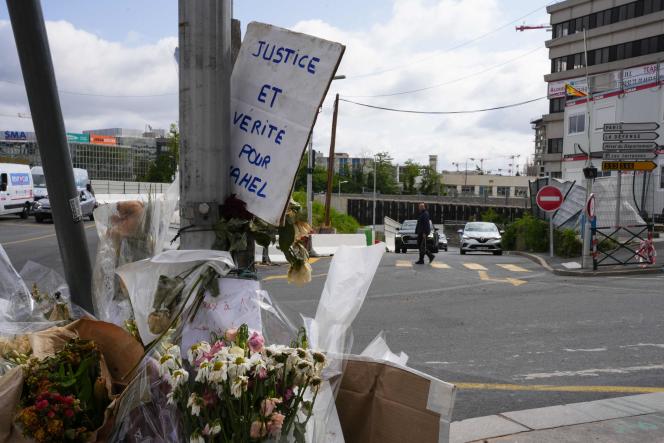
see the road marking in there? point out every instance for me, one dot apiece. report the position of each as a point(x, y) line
point(404, 264)
point(552, 388)
point(513, 268)
point(475, 267)
point(285, 277)
point(440, 266)
point(484, 275)
point(41, 237)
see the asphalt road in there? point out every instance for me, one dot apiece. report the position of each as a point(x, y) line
point(511, 335)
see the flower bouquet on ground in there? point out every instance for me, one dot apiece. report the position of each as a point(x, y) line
point(236, 389)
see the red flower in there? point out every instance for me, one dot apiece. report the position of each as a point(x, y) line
point(50, 414)
point(41, 404)
point(69, 413)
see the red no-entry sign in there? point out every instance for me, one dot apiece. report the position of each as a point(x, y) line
point(549, 198)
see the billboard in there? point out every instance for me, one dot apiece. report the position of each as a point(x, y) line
point(102, 139)
point(78, 138)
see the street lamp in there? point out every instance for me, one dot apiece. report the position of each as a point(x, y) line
point(341, 183)
point(373, 225)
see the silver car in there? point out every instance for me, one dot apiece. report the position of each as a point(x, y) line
point(480, 236)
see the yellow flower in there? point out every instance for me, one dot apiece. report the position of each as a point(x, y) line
point(299, 273)
point(302, 229)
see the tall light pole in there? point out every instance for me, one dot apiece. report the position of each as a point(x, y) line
point(373, 225)
point(330, 160)
point(341, 183)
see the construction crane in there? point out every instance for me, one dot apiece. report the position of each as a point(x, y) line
point(525, 27)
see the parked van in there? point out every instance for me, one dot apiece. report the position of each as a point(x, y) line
point(16, 191)
point(80, 177)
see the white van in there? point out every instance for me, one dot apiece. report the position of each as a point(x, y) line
point(80, 177)
point(15, 189)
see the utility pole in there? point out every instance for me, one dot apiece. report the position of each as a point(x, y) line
point(373, 223)
point(205, 95)
point(330, 162)
point(310, 185)
point(586, 262)
point(37, 66)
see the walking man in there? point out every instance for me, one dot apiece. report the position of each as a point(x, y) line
point(423, 229)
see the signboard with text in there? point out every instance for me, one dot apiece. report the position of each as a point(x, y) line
point(78, 138)
point(629, 166)
point(102, 139)
point(278, 84)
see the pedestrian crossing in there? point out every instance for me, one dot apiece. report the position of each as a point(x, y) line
point(470, 266)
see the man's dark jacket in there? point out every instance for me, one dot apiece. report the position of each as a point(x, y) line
point(423, 223)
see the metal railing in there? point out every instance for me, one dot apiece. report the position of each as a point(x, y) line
point(622, 245)
point(123, 187)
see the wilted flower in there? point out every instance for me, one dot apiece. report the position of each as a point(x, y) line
point(203, 371)
point(196, 437)
point(268, 405)
point(230, 334)
point(275, 424)
point(214, 429)
point(179, 377)
point(302, 229)
point(257, 430)
point(239, 385)
point(299, 273)
point(194, 403)
point(158, 321)
point(256, 342)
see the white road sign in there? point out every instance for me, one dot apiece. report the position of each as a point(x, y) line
point(279, 81)
point(626, 136)
point(629, 155)
point(631, 146)
point(647, 126)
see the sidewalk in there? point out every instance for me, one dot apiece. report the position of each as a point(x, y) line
point(556, 265)
point(632, 419)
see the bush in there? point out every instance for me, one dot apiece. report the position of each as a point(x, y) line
point(493, 217)
point(527, 234)
point(566, 244)
point(344, 224)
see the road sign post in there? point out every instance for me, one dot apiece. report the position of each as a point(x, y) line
point(549, 199)
point(628, 147)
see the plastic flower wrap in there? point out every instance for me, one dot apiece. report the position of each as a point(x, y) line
point(237, 389)
point(128, 231)
point(64, 396)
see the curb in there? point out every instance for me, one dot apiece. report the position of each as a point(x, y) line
point(583, 273)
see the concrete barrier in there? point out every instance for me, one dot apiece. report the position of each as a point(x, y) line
point(323, 245)
point(276, 256)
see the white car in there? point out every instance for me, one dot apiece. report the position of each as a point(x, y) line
point(480, 236)
point(15, 189)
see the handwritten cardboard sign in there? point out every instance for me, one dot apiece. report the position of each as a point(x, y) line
point(238, 302)
point(279, 81)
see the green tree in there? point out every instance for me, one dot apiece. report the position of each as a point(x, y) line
point(430, 182)
point(385, 175)
point(163, 169)
point(409, 173)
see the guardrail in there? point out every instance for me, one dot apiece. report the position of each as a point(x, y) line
point(122, 187)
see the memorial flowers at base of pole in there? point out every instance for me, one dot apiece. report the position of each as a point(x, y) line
point(64, 396)
point(237, 389)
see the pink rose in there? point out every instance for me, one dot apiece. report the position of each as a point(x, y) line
point(230, 334)
point(275, 424)
point(257, 430)
point(268, 405)
point(256, 342)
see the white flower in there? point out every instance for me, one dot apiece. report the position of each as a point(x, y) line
point(238, 367)
point(170, 398)
point(219, 372)
point(196, 438)
point(212, 430)
point(237, 351)
point(166, 364)
point(195, 402)
point(174, 350)
point(197, 350)
point(239, 385)
point(203, 371)
point(178, 377)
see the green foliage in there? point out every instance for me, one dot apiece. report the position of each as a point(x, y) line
point(493, 217)
point(566, 244)
point(163, 169)
point(430, 182)
point(409, 172)
point(527, 234)
point(344, 224)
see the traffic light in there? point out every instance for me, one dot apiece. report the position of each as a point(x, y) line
point(590, 172)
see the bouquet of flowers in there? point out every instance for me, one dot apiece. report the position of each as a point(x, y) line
point(236, 389)
point(65, 395)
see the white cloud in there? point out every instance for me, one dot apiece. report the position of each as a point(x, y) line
point(416, 39)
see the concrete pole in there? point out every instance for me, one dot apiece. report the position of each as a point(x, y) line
point(586, 262)
point(35, 56)
point(330, 163)
point(310, 185)
point(618, 192)
point(205, 84)
point(373, 225)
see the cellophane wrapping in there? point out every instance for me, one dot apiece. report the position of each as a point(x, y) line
point(129, 231)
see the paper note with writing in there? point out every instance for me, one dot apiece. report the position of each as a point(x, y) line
point(279, 81)
point(238, 302)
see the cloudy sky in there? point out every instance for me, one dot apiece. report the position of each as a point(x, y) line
point(115, 68)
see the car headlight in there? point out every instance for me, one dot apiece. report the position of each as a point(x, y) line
point(465, 237)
